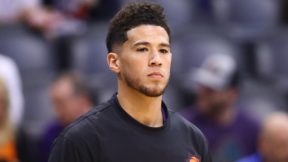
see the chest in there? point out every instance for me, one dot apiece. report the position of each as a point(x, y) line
point(135, 146)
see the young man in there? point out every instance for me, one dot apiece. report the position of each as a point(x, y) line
point(134, 125)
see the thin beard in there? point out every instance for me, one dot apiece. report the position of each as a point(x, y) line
point(143, 89)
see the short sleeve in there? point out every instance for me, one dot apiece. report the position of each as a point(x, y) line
point(65, 150)
point(200, 143)
point(205, 152)
point(202, 147)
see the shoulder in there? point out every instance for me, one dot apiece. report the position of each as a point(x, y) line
point(77, 140)
point(179, 119)
point(182, 123)
point(194, 135)
point(87, 124)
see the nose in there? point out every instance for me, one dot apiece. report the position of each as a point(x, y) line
point(155, 59)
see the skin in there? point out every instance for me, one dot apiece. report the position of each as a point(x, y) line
point(142, 65)
point(67, 104)
point(273, 141)
point(217, 104)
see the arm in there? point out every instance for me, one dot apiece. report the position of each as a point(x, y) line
point(202, 146)
point(205, 155)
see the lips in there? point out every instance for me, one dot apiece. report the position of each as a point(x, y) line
point(156, 75)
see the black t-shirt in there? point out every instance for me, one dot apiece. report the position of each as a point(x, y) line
point(108, 134)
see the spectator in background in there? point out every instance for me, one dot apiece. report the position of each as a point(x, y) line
point(71, 98)
point(13, 11)
point(93, 10)
point(231, 134)
point(10, 74)
point(7, 132)
point(273, 140)
point(63, 20)
point(57, 18)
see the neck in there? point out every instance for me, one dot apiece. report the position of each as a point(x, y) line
point(144, 109)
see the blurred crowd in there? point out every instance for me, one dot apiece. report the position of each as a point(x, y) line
point(229, 73)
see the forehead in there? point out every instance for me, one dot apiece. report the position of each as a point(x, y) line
point(148, 33)
point(61, 86)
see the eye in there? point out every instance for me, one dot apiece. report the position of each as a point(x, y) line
point(142, 49)
point(164, 51)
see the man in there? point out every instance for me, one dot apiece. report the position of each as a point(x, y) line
point(71, 98)
point(134, 125)
point(273, 140)
point(230, 132)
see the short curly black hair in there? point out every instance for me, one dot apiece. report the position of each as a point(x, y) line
point(133, 15)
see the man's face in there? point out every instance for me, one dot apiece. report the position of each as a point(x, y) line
point(212, 102)
point(145, 60)
point(66, 103)
point(276, 146)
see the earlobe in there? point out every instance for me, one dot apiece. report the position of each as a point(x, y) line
point(113, 62)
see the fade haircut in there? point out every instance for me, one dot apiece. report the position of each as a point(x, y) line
point(131, 16)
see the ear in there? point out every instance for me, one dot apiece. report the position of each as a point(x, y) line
point(113, 62)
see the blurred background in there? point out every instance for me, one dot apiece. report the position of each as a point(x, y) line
point(42, 39)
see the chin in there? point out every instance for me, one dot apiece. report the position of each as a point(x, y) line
point(150, 89)
point(152, 92)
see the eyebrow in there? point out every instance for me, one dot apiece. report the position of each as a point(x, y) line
point(147, 43)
